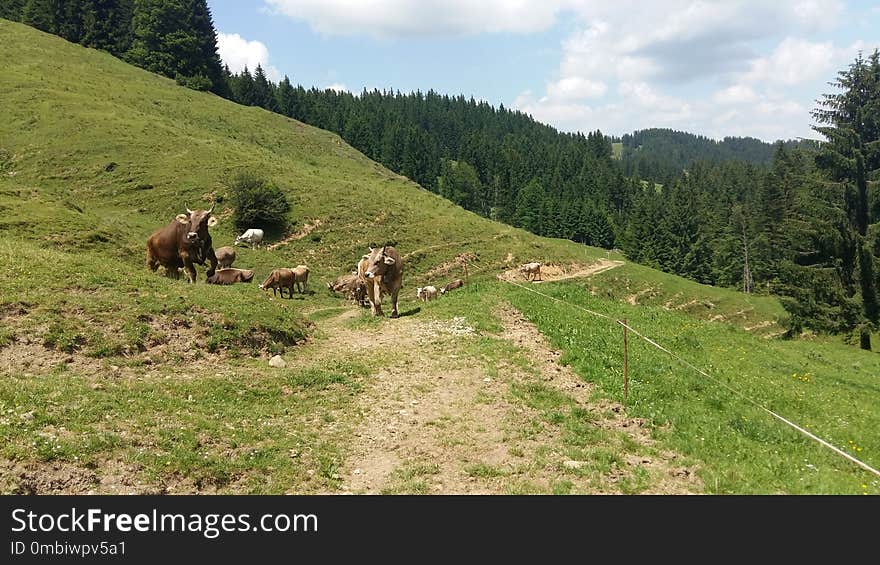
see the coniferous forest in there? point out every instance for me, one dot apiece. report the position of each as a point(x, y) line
point(796, 218)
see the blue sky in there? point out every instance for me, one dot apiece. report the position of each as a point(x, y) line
point(737, 67)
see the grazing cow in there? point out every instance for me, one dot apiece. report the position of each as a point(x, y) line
point(382, 271)
point(457, 283)
point(225, 256)
point(426, 293)
point(279, 279)
point(253, 236)
point(231, 276)
point(181, 243)
point(301, 278)
point(532, 270)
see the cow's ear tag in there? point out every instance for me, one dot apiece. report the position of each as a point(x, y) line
point(212, 221)
point(389, 260)
point(182, 218)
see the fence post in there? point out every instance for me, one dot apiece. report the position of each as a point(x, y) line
point(625, 363)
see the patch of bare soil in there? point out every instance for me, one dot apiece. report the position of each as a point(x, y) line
point(108, 477)
point(553, 272)
point(437, 420)
point(306, 230)
point(633, 299)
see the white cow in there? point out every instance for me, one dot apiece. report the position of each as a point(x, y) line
point(532, 271)
point(426, 293)
point(252, 236)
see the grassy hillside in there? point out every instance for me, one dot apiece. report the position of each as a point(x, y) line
point(115, 379)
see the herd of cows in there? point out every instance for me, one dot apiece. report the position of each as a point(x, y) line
point(186, 241)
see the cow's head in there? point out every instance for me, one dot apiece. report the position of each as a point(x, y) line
point(377, 263)
point(197, 223)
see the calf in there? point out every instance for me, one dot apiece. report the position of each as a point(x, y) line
point(279, 279)
point(457, 283)
point(532, 270)
point(426, 293)
point(231, 276)
point(225, 256)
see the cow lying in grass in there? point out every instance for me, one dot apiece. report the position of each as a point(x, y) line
point(351, 287)
point(457, 283)
point(231, 276)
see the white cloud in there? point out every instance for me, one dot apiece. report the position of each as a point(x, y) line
point(695, 65)
point(238, 52)
point(576, 88)
point(337, 86)
point(794, 61)
point(407, 18)
point(736, 94)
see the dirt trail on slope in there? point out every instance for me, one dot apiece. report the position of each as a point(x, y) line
point(441, 418)
point(552, 272)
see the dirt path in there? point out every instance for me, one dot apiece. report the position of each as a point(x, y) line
point(550, 273)
point(450, 416)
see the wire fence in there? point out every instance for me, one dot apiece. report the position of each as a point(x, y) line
point(693, 367)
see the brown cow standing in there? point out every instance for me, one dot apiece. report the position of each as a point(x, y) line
point(181, 243)
point(383, 272)
point(225, 256)
point(279, 279)
point(231, 276)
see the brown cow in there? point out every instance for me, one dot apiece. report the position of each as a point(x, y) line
point(231, 276)
point(225, 256)
point(181, 243)
point(279, 279)
point(382, 272)
point(457, 283)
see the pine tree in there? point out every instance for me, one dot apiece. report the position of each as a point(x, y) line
point(11, 9)
point(243, 88)
point(285, 97)
point(176, 38)
point(264, 95)
point(45, 15)
point(529, 207)
point(849, 158)
point(106, 24)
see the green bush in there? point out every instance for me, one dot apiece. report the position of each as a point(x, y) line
point(258, 203)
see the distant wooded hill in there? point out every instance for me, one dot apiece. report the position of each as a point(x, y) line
point(660, 153)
